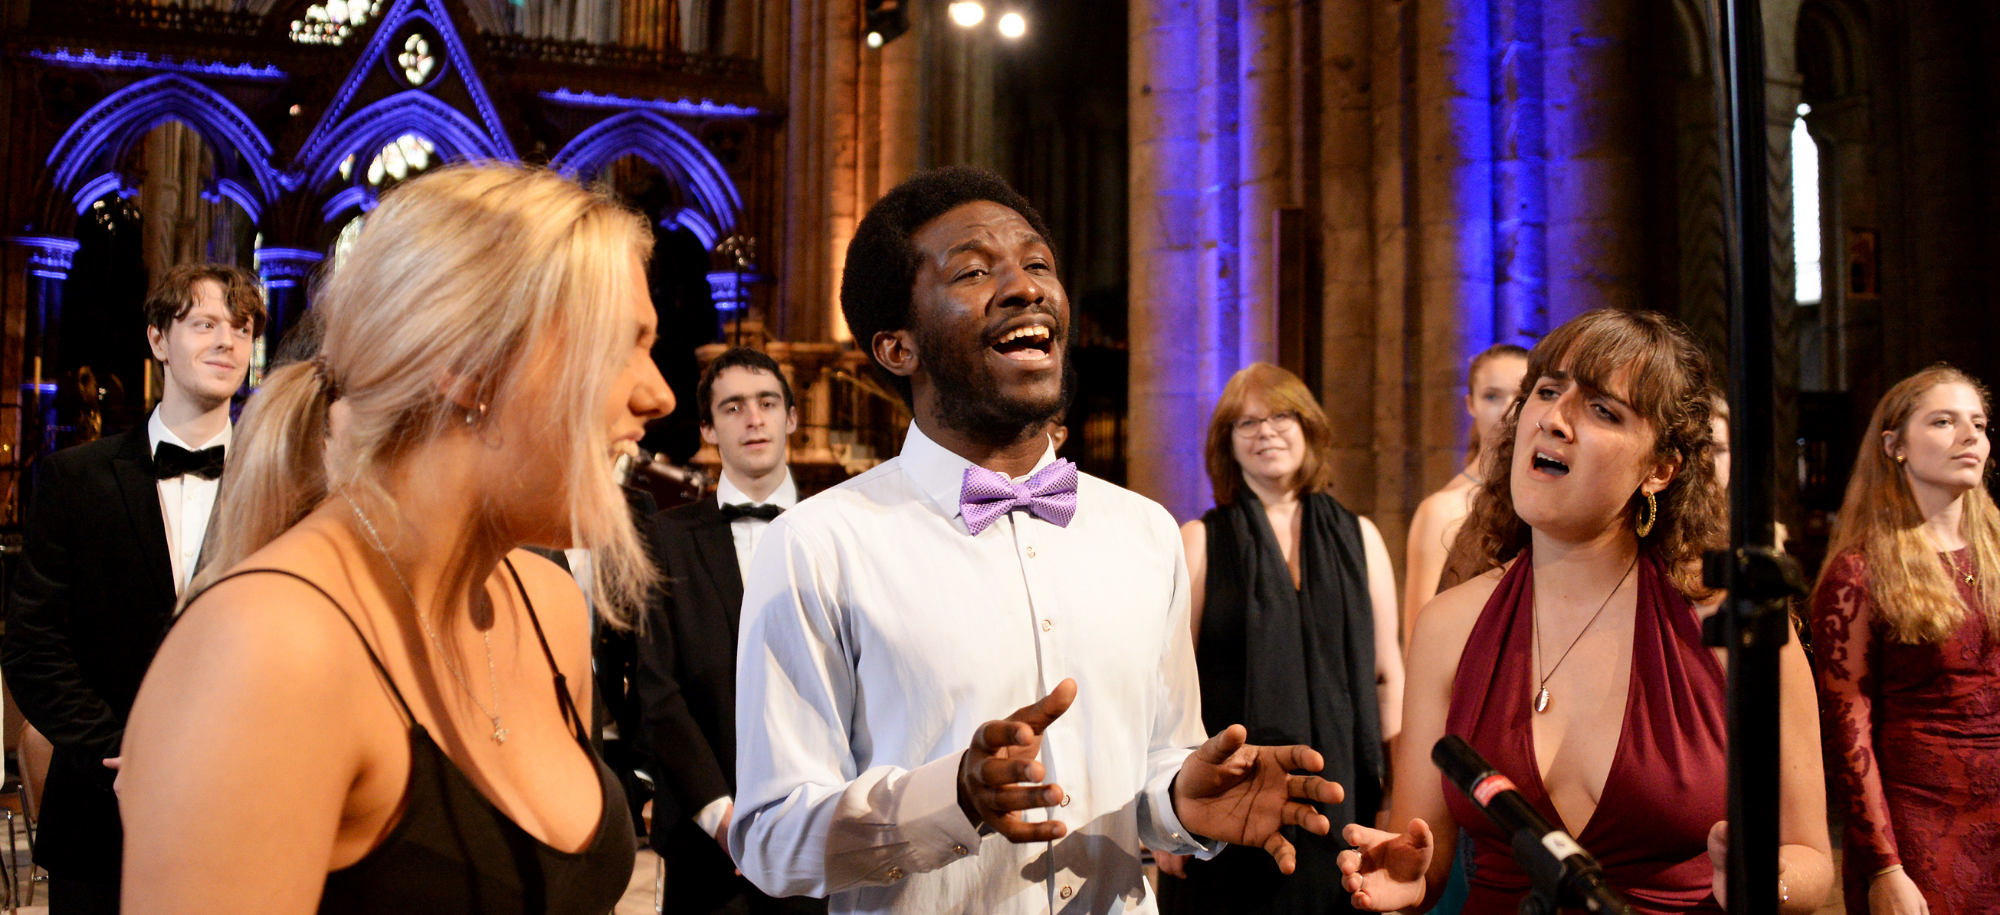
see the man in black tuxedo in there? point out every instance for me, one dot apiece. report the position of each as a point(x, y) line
point(687, 652)
point(113, 534)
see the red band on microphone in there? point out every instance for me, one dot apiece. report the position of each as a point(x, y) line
point(1490, 785)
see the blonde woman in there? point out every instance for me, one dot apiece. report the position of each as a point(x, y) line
point(1906, 626)
point(1492, 385)
point(355, 712)
point(1294, 616)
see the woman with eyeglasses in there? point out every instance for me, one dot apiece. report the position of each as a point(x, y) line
point(1294, 615)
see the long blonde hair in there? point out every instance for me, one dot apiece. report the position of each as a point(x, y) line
point(455, 279)
point(1879, 520)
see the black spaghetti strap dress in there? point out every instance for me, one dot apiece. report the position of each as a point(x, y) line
point(452, 851)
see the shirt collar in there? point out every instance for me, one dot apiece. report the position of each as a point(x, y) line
point(157, 432)
point(785, 496)
point(940, 473)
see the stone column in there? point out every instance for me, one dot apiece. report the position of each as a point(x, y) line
point(821, 168)
point(1596, 239)
point(48, 264)
point(1264, 38)
point(1175, 264)
point(286, 273)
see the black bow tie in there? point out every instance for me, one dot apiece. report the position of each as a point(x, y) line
point(762, 512)
point(171, 460)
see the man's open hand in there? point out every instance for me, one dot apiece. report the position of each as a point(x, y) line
point(996, 776)
point(1241, 793)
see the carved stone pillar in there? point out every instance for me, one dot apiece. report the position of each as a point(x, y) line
point(48, 263)
point(285, 272)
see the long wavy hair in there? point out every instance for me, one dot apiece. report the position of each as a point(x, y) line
point(1281, 392)
point(1652, 362)
point(1913, 596)
point(463, 273)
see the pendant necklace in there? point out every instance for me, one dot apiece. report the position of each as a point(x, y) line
point(1964, 572)
point(1542, 696)
point(499, 734)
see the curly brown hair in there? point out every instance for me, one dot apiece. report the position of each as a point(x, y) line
point(1653, 364)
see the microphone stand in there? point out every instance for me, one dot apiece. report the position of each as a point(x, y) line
point(1752, 624)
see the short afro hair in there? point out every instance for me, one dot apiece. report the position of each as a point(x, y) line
point(881, 269)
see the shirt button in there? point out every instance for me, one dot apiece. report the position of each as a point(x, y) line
point(1046, 625)
point(958, 850)
point(895, 873)
point(1031, 552)
point(1065, 800)
point(1066, 892)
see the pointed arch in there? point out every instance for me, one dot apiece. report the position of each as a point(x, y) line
point(366, 131)
point(669, 147)
point(84, 162)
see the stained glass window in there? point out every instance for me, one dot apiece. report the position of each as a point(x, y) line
point(416, 59)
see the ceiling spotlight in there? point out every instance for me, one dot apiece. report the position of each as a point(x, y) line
point(967, 13)
point(883, 21)
point(1013, 26)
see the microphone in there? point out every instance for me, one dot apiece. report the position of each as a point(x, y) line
point(1554, 861)
point(657, 465)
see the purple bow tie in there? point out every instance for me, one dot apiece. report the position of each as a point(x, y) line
point(986, 495)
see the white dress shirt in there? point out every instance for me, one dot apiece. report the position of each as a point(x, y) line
point(877, 635)
point(747, 533)
point(186, 501)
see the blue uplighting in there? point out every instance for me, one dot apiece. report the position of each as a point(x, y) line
point(132, 60)
point(684, 107)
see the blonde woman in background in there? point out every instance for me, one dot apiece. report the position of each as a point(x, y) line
point(355, 712)
point(1492, 383)
point(1294, 615)
point(1906, 627)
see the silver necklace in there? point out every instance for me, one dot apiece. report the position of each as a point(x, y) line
point(1542, 697)
point(499, 733)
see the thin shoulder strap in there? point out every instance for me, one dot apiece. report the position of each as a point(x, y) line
point(351, 624)
point(562, 685)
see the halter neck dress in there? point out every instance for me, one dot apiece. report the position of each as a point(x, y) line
point(1669, 778)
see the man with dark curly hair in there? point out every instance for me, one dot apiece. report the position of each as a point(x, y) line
point(885, 618)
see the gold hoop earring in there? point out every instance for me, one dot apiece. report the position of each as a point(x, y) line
point(1652, 515)
point(1900, 459)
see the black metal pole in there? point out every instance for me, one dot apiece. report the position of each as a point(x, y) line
point(1753, 623)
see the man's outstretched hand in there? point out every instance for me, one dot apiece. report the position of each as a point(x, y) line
point(1241, 793)
point(996, 776)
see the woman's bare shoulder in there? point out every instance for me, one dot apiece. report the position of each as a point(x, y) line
point(1446, 622)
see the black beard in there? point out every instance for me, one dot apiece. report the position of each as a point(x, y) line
point(968, 399)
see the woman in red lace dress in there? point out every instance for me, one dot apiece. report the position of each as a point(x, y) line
point(1905, 625)
point(1571, 656)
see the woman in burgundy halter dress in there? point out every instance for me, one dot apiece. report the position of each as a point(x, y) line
point(1905, 620)
point(354, 712)
point(1571, 656)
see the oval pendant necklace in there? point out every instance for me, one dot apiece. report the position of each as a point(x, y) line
point(1542, 684)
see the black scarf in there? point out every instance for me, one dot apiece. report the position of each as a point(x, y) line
point(1294, 665)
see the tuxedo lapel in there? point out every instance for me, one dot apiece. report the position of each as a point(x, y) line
point(133, 469)
point(715, 549)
